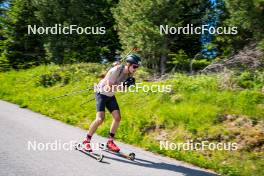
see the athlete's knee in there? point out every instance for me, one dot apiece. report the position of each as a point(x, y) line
point(116, 115)
point(99, 120)
point(99, 117)
point(117, 118)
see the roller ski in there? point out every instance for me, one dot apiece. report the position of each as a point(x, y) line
point(85, 148)
point(111, 147)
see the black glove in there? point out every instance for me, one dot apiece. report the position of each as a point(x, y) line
point(129, 81)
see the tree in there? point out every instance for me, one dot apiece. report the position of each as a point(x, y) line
point(20, 49)
point(83, 13)
point(138, 24)
point(4, 64)
point(247, 16)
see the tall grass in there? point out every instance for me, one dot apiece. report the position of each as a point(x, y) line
point(190, 111)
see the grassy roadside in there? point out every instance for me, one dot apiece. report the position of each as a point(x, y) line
point(216, 108)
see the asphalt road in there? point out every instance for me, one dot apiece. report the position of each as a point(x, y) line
point(20, 128)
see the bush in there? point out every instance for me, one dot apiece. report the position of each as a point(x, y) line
point(50, 79)
point(200, 64)
point(248, 80)
point(4, 64)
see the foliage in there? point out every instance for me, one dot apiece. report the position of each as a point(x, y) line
point(72, 48)
point(19, 49)
point(249, 80)
point(144, 18)
point(182, 62)
point(247, 16)
point(23, 50)
point(128, 24)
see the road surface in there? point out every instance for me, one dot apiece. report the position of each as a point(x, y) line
point(25, 134)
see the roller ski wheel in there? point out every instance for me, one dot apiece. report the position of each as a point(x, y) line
point(96, 156)
point(130, 156)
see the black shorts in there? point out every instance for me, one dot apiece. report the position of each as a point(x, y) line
point(103, 101)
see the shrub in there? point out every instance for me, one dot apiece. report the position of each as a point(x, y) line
point(50, 79)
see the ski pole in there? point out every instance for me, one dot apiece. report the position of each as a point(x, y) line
point(70, 94)
point(81, 105)
point(133, 49)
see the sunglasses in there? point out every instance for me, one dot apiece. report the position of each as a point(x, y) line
point(135, 66)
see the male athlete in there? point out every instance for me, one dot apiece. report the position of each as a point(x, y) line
point(105, 98)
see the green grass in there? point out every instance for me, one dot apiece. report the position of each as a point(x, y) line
point(190, 111)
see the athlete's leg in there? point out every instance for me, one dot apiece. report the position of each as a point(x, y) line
point(113, 108)
point(96, 123)
point(116, 120)
point(100, 114)
point(115, 123)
